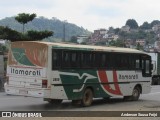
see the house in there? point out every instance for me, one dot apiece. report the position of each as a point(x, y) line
point(125, 28)
point(141, 42)
point(128, 43)
point(98, 36)
point(82, 38)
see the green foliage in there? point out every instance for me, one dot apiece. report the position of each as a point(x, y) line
point(118, 43)
point(3, 48)
point(24, 18)
point(132, 23)
point(39, 35)
point(73, 39)
point(140, 34)
point(155, 22)
point(42, 24)
point(116, 31)
point(12, 35)
point(9, 34)
point(145, 26)
point(139, 47)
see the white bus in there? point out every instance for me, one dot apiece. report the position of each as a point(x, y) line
point(57, 71)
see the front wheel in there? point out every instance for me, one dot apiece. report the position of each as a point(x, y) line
point(87, 97)
point(135, 95)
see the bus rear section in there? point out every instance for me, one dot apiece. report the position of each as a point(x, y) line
point(27, 69)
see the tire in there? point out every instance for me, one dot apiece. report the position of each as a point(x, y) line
point(135, 95)
point(55, 101)
point(87, 98)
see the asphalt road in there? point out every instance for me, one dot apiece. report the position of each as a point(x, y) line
point(147, 102)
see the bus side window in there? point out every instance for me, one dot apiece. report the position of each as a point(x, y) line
point(75, 60)
point(95, 62)
point(103, 61)
point(83, 60)
point(66, 59)
point(86, 60)
point(131, 62)
point(147, 66)
point(137, 64)
point(56, 59)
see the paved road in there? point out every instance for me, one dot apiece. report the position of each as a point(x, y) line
point(147, 102)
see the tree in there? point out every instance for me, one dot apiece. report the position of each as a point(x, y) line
point(9, 34)
point(3, 48)
point(132, 23)
point(112, 43)
point(24, 18)
point(139, 47)
point(74, 39)
point(145, 26)
point(120, 43)
point(12, 35)
point(155, 22)
point(116, 31)
point(38, 35)
point(111, 30)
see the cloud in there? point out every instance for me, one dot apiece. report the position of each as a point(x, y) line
point(87, 13)
point(26, 3)
point(13, 7)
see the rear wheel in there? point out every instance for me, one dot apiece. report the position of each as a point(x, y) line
point(87, 97)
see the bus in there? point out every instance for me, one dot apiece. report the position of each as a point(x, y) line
point(60, 71)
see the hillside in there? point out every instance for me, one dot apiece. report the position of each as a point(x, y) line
point(42, 23)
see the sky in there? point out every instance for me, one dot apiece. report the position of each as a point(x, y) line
point(90, 14)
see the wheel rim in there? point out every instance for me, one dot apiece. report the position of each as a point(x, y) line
point(135, 93)
point(88, 97)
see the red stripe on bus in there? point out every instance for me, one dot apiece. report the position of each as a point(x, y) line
point(104, 79)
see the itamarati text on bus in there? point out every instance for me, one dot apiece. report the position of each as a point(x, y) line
point(58, 71)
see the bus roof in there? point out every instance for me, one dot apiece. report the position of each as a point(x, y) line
point(86, 47)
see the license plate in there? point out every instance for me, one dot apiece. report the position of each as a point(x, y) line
point(23, 92)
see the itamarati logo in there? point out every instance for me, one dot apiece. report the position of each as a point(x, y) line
point(25, 72)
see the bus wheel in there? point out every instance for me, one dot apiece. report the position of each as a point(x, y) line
point(135, 94)
point(55, 101)
point(87, 97)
